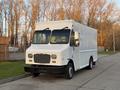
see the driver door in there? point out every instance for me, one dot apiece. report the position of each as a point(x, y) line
point(74, 43)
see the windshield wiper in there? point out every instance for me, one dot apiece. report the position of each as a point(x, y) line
point(46, 29)
point(64, 28)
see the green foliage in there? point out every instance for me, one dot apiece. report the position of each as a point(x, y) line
point(11, 69)
point(106, 53)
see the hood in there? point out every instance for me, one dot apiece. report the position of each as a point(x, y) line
point(47, 48)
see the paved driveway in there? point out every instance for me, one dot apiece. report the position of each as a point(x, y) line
point(106, 76)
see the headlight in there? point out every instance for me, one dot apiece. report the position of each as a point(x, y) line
point(53, 56)
point(30, 55)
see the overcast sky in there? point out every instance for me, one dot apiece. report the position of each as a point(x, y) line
point(117, 3)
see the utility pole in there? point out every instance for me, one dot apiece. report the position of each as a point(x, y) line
point(114, 42)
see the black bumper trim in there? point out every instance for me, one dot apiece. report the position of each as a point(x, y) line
point(44, 69)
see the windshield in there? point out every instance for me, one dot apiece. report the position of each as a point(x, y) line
point(41, 37)
point(60, 36)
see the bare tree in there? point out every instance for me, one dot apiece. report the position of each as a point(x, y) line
point(35, 11)
point(95, 13)
point(0, 18)
point(11, 21)
point(17, 15)
point(74, 9)
point(100, 17)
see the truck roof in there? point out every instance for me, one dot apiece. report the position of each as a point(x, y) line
point(58, 25)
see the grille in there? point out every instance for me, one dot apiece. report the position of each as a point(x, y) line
point(42, 58)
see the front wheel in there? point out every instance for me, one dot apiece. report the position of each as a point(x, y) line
point(69, 71)
point(35, 74)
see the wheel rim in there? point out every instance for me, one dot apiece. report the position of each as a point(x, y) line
point(70, 72)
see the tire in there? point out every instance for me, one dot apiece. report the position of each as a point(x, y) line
point(35, 74)
point(94, 63)
point(91, 64)
point(69, 71)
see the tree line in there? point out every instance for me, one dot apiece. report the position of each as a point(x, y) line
point(100, 14)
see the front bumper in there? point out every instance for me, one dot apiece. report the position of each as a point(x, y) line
point(44, 69)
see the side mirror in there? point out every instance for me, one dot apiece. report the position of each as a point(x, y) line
point(77, 42)
point(76, 36)
point(76, 39)
point(31, 41)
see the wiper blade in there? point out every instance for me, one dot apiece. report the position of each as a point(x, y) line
point(65, 28)
point(46, 29)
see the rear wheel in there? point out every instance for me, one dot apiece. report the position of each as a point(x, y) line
point(91, 64)
point(69, 71)
point(94, 63)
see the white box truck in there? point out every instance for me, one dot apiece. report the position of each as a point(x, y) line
point(61, 47)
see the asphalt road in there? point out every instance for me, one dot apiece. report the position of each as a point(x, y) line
point(105, 76)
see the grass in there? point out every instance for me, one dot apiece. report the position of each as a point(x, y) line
point(11, 69)
point(107, 53)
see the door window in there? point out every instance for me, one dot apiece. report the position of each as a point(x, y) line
point(74, 40)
